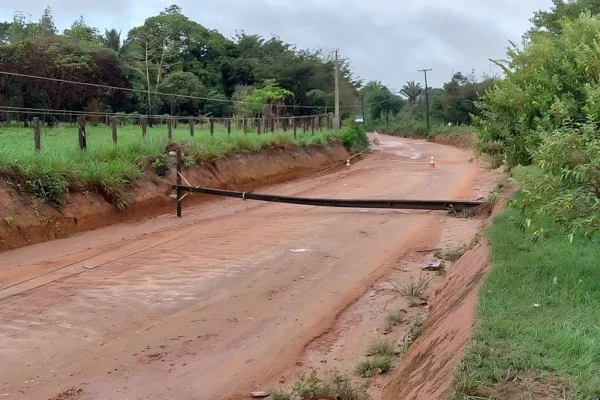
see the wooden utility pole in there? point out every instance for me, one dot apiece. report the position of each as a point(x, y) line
point(362, 103)
point(337, 92)
point(426, 96)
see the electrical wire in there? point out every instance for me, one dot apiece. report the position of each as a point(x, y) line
point(100, 86)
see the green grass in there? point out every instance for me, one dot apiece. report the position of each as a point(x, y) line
point(380, 348)
point(374, 366)
point(109, 169)
point(416, 128)
point(539, 314)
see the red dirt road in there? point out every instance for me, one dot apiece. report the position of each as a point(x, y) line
point(219, 302)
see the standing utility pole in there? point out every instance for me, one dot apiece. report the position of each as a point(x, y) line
point(362, 103)
point(426, 96)
point(337, 92)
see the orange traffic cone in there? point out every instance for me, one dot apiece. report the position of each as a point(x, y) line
point(432, 163)
point(348, 164)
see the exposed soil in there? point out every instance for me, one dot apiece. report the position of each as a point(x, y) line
point(228, 299)
point(462, 140)
point(29, 221)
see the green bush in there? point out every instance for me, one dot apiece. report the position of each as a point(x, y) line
point(354, 136)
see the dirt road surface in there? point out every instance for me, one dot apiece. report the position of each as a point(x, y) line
point(222, 301)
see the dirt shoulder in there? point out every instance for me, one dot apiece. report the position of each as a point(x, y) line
point(26, 220)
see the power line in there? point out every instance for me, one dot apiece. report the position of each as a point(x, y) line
point(426, 95)
point(100, 86)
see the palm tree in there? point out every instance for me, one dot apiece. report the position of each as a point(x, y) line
point(411, 91)
point(112, 40)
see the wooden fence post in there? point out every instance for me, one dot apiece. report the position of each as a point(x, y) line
point(36, 134)
point(174, 122)
point(320, 123)
point(178, 180)
point(294, 122)
point(284, 124)
point(312, 125)
point(259, 122)
point(273, 122)
point(81, 131)
point(143, 124)
point(113, 127)
point(191, 126)
point(245, 126)
point(229, 126)
point(169, 128)
point(211, 124)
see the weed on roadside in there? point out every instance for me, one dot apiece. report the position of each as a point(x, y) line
point(451, 254)
point(393, 318)
point(374, 366)
point(380, 348)
point(332, 386)
point(412, 333)
point(415, 288)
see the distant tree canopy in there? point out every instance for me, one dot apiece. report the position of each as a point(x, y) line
point(550, 21)
point(169, 53)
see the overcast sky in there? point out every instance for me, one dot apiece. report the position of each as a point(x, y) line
point(387, 40)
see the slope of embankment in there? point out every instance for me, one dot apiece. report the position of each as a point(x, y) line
point(27, 220)
point(427, 370)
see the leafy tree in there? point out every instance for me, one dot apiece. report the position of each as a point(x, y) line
point(267, 101)
point(82, 32)
point(46, 26)
point(184, 84)
point(553, 80)
point(411, 91)
point(570, 9)
point(218, 106)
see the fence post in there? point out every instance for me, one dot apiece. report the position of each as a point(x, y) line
point(229, 126)
point(143, 124)
point(179, 162)
point(294, 122)
point(191, 126)
point(211, 123)
point(113, 127)
point(81, 131)
point(174, 122)
point(245, 126)
point(320, 123)
point(169, 128)
point(273, 125)
point(312, 125)
point(304, 125)
point(284, 124)
point(258, 125)
point(36, 134)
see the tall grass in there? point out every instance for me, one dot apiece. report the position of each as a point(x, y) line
point(108, 169)
point(539, 315)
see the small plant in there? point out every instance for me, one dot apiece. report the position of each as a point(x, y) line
point(393, 318)
point(374, 366)
point(280, 395)
point(415, 288)
point(333, 386)
point(412, 333)
point(8, 220)
point(451, 254)
point(380, 348)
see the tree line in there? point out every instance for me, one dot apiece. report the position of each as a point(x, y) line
point(212, 75)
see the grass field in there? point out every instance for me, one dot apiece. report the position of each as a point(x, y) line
point(107, 168)
point(539, 319)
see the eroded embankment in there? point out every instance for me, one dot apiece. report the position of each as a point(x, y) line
point(25, 220)
point(428, 369)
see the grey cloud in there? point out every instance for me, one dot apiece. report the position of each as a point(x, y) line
point(385, 39)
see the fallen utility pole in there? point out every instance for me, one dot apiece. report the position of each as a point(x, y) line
point(436, 205)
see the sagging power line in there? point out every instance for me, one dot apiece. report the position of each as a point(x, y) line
point(131, 90)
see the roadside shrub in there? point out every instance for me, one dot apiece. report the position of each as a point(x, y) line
point(354, 137)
